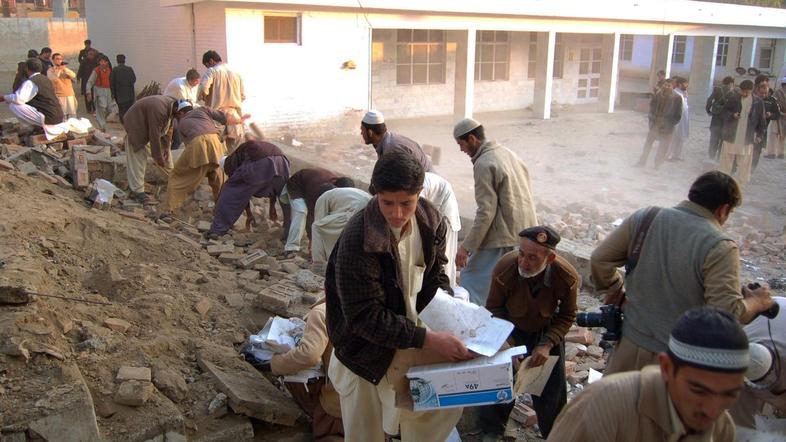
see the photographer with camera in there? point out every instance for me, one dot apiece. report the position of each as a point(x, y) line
point(536, 290)
point(683, 398)
point(766, 378)
point(676, 259)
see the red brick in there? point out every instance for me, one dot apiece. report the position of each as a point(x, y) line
point(46, 177)
point(580, 335)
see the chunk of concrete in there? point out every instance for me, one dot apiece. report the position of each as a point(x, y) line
point(117, 324)
point(248, 391)
point(170, 383)
point(127, 373)
point(134, 393)
point(72, 417)
point(218, 249)
point(578, 255)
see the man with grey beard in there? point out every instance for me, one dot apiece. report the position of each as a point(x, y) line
point(536, 290)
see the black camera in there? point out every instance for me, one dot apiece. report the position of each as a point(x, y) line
point(609, 317)
point(771, 312)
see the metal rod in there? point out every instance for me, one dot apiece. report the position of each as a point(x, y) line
point(69, 299)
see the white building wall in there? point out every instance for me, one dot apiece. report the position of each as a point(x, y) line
point(18, 35)
point(295, 85)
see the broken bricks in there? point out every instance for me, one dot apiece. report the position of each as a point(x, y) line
point(219, 249)
point(277, 297)
point(126, 373)
point(251, 258)
point(134, 393)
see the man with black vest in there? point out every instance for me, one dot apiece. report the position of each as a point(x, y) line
point(35, 102)
point(677, 258)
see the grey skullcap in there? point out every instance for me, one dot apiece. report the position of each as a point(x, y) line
point(464, 126)
point(710, 339)
point(373, 117)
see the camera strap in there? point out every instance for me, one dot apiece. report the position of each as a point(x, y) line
point(634, 247)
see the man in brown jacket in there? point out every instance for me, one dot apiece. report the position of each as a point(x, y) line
point(665, 113)
point(684, 399)
point(148, 125)
point(536, 290)
point(319, 399)
point(505, 206)
point(385, 268)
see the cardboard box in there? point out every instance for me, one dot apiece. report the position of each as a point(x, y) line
point(480, 381)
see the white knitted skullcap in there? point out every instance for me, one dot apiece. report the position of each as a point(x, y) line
point(373, 117)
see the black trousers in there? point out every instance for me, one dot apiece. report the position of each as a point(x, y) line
point(547, 406)
point(715, 138)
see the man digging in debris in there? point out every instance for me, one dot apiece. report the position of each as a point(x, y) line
point(36, 103)
point(331, 214)
point(505, 206)
point(685, 397)
point(148, 125)
point(255, 169)
point(386, 267)
point(318, 399)
point(201, 156)
point(374, 131)
point(536, 290)
point(303, 189)
point(684, 260)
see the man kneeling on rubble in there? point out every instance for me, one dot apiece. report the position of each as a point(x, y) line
point(36, 103)
point(385, 268)
point(318, 399)
point(685, 398)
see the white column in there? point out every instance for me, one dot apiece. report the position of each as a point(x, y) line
point(464, 91)
point(702, 70)
point(544, 74)
point(778, 61)
point(748, 52)
point(662, 50)
point(59, 8)
point(609, 73)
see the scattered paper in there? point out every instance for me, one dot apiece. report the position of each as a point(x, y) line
point(533, 380)
point(472, 324)
point(281, 335)
point(594, 375)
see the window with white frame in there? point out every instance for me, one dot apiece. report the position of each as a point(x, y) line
point(492, 55)
point(626, 47)
point(532, 55)
point(282, 29)
point(420, 56)
point(678, 49)
point(722, 54)
point(766, 52)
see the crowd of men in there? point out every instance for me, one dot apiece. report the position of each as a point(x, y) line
point(683, 358)
point(746, 119)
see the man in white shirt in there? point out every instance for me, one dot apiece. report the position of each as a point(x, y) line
point(35, 102)
point(331, 213)
point(184, 88)
point(222, 89)
point(439, 193)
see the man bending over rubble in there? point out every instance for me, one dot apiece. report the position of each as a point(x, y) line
point(36, 103)
point(385, 268)
point(201, 156)
point(255, 169)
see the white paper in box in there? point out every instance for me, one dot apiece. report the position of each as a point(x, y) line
point(481, 381)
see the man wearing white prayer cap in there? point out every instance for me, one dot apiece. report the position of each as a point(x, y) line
point(375, 132)
point(684, 398)
point(504, 207)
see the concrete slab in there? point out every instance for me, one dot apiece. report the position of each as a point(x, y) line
point(248, 391)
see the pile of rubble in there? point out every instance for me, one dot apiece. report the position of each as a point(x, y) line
point(142, 341)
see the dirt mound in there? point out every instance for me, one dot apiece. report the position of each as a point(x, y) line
point(145, 280)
